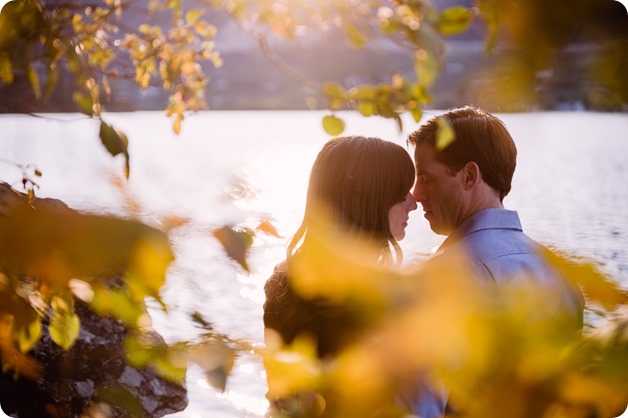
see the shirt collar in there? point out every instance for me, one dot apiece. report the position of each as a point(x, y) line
point(484, 219)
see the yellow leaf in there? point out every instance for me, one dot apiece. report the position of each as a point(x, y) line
point(417, 114)
point(426, 67)
point(334, 90)
point(587, 275)
point(192, 16)
point(176, 125)
point(64, 324)
point(268, 228)
point(454, 20)
point(151, 258)
point(333, 125)
point(367, 108)
point(118, 304)
point(445, 135)
point(291, 369)
point(356, 38)
point(29, 335)
point(84, 102)
point(144, 28)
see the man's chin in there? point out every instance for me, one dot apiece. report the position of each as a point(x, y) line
point(439, 229)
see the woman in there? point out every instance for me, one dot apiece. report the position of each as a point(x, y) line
point(359, 187)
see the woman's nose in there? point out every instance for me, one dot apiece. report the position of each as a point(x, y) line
point(411, 202)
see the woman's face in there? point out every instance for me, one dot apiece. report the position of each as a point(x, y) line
point(398, 216)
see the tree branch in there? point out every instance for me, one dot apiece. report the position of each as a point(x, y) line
point(279, 63)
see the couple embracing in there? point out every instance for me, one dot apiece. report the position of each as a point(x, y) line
point(368, 188)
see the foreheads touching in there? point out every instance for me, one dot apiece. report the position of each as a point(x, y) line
point(479, 137)
point(359, 179)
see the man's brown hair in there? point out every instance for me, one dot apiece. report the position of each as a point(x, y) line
point(479, 137)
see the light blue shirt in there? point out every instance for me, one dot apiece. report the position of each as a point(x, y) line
point(498, 251)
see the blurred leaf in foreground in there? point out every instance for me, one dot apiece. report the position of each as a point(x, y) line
point(333, 125)
point(236, 242)
point(64, 325)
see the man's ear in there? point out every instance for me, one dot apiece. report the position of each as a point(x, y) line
point(471, 175)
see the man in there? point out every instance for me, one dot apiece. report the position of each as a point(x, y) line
point(461, 184)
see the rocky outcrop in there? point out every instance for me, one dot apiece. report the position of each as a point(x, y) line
point(92, 371)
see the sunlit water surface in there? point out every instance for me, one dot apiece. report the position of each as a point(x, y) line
point(239, 167)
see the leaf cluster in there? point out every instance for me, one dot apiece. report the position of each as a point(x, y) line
point(41, 40)
point(95, 45)
point(415, 25)
point(51, 257)
point(499, 352)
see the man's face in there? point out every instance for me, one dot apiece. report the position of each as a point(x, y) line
point(440, 191)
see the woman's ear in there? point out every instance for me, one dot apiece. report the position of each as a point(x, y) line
point(472, 175)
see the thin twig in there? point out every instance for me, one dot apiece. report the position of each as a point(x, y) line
point(288, 71)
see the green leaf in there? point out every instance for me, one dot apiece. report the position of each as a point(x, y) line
point(417, 114)
point(51, 83)
point(168, 369)
point(64, 324)
point(335, 94)
point(445, 134)
point(26, 321)
point(28, 336)
point(454, 20)
point(334, 90)
point(84, 102)
point(426, 67)
point(333, 125)
point(136, 354)
point(122, 398)
point(114, 141)
point(362, 93)
point(117, 303)
point(367, 108)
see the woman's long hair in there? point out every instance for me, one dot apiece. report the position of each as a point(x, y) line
point(354, 182)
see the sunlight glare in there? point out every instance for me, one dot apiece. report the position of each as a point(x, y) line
point(256, 296)
point(203, 383)
point(246, 368)
point(245, 403)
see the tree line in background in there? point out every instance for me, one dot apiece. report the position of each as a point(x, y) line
point(170, 52)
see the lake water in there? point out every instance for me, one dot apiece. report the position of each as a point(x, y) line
point(570, 189)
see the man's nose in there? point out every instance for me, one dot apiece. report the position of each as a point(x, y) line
point(418, 193)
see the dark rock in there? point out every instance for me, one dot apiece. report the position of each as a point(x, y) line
point(91, 370)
